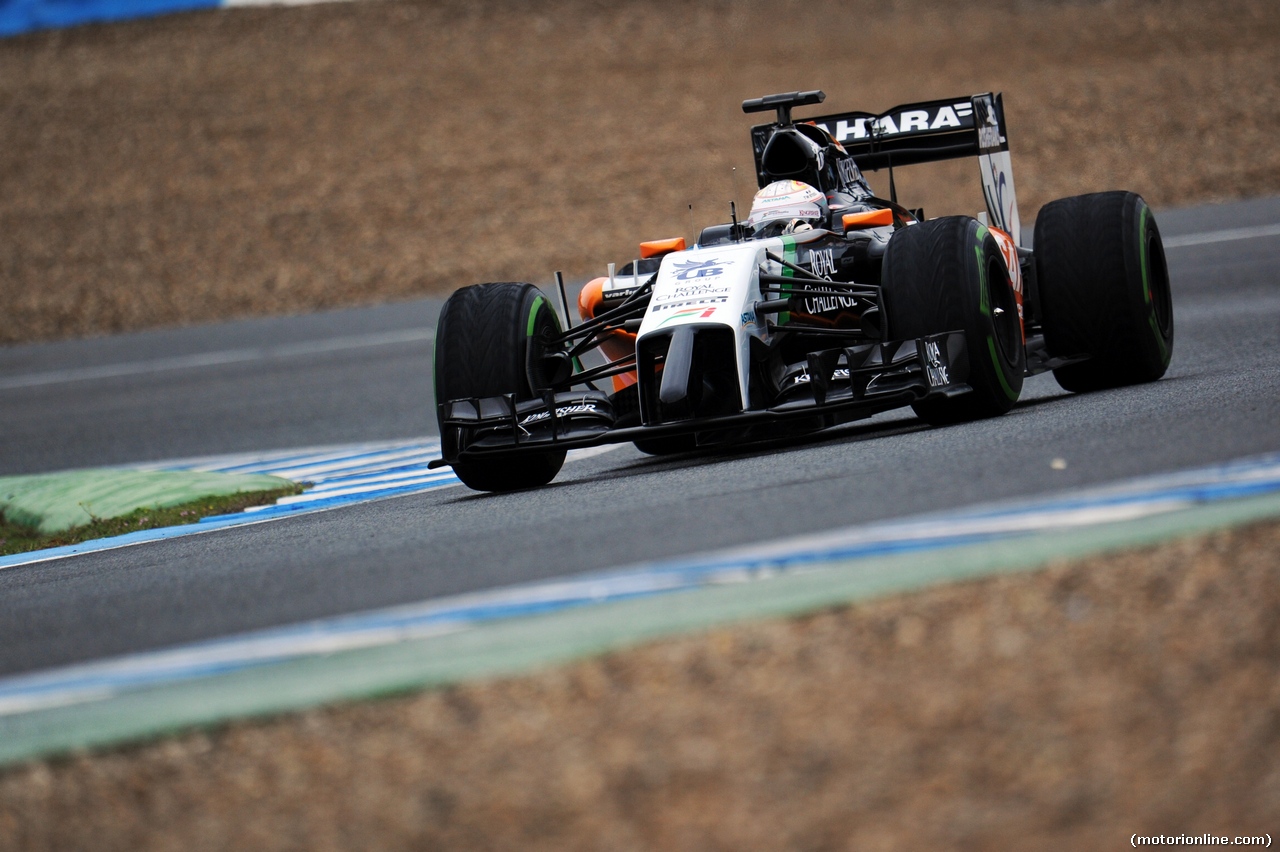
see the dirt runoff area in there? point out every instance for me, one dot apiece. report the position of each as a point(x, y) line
point(243, 162)
point(1064, 709)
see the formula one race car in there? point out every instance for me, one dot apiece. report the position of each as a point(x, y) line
point(825, 305)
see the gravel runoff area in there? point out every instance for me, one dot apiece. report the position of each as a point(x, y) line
point(1063, 709)
point(245, 162)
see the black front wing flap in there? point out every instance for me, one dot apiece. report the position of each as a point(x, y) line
point(857, 381)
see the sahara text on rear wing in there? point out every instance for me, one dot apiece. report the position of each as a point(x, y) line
point(923, 133)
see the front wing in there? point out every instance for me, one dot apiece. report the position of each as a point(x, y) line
point(846, 384)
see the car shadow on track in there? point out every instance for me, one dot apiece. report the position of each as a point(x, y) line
point(708, 456)
point(859, 431)
point(904, 424)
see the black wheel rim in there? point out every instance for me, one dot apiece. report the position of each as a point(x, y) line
point(546, 329)
point(1004, 310)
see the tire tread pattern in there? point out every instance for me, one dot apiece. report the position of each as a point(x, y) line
point(930, 285)
point(1089, 267)
point(482, 350)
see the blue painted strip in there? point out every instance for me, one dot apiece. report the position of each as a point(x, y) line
point(381, 474)
point(221, 656)
point(343, 476)
point(22, 16)
point(1143, 498)
point(320, 458)
point(370, 464)
point(207, 659)
point(209, 524)
point(367, 492)
point(343, 489)
point(140, 537)
point(1190, 494)
point(332, 502)
point(242, 467)
point(321, 474)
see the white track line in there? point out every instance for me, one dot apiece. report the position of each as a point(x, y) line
point(1207, 237)
point(343, 476)
point(1011, 521)
point(216, 359)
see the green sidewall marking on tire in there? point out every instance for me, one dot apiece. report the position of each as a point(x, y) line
point(995, 360)
point(1142, 255)
point(533, 315)
point(984, 305)
point(1146, 284)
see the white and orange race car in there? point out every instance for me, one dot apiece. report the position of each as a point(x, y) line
point(824, 305)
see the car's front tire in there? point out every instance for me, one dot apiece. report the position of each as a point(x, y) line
point(489, 342)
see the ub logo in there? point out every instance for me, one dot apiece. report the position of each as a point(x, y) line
point(691, 269)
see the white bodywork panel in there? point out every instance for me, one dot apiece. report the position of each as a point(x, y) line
point(996, 167)
point(1002, 200)
point(714, 286)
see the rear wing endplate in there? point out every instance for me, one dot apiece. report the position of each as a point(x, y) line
point(924, 133)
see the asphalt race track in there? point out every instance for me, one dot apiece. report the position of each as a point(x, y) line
point(364, 375)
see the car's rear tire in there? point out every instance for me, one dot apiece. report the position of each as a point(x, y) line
point(489, 342)
point(948, 274)
point(1104, 290)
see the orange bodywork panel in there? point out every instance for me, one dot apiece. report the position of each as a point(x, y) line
point(867, 219)
point(616, 344)
point(653, 248)
point(1010, 251)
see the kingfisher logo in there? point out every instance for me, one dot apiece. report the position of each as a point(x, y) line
point(694, 269)
point(583, 407)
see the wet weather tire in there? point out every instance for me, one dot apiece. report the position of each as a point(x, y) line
point(489, 341)
point(1104, 290)
point(948, 275)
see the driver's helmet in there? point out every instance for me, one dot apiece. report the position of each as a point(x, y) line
point(785, 207)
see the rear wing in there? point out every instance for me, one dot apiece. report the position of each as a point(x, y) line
point(924, 133)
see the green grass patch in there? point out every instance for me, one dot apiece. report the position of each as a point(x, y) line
point(19, 539)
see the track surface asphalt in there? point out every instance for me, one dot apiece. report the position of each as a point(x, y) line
point(364, 375)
